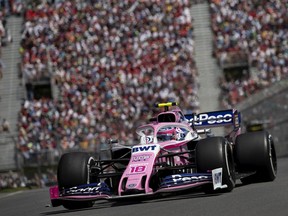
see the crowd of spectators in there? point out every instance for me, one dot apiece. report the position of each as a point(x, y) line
point(253, 31)
point(111, 60)
point(13, 180)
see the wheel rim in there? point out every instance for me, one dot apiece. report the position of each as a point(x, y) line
point(272, 156)
point(90, 163)
point(230, 165)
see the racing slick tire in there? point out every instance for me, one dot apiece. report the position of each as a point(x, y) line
point(212, 153)
point(255, 151)
point(73, 170)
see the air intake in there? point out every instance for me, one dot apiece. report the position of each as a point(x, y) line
point(166, 117)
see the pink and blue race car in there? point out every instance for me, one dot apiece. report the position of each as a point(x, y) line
point(174, 152)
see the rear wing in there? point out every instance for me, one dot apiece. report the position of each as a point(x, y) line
point(219, 118)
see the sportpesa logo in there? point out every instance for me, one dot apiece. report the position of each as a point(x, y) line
point(204, 119)
point(179, 178)
point(94, 188)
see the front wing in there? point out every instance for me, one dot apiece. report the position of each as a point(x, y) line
point(171, 183)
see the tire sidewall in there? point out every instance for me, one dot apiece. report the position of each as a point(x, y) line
point(216, 152)
point(255, 151)
point(73, 169)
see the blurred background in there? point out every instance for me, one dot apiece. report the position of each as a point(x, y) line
point(76, 73)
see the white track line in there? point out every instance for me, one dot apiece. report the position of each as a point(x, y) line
point(10, 194)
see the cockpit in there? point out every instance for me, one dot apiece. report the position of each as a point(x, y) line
point(164, 132)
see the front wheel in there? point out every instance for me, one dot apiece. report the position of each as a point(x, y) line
point(73, 170)
point(213, 153)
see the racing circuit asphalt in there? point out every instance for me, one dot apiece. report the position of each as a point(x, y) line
point(262, 199)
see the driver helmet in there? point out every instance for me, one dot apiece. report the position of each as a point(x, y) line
point(166, 134)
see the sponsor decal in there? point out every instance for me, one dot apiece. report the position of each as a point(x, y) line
point(144, 148)
point(217, 179)
point(236, 121)
point(95, 188)
point(185, 178)
point(131, 186)
point(221, 117)
point(182, 179)
point(139, 158)
point(210, 119)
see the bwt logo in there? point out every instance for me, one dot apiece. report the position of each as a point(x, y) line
point(199, 119)
point(144, 148)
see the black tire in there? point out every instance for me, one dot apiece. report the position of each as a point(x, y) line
point(216, 152)
point(73, 170)
point(256, 151)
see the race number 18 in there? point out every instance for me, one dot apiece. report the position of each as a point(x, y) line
point(138, 169)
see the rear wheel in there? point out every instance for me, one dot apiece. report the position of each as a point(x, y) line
point(216, 152)
point(256, 151)
point(73, 170)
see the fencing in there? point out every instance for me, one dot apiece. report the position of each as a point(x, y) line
point(270, 107)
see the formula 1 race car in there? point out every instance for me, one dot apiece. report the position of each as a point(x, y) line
point(174, 152)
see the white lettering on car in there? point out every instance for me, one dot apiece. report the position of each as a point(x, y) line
point(178, 178)
point(198, 120)
point(140, 158)
point(85, 190)
point(144, 148)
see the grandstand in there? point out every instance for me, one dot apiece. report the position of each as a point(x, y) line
point(250, 45)
point(80, 72)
